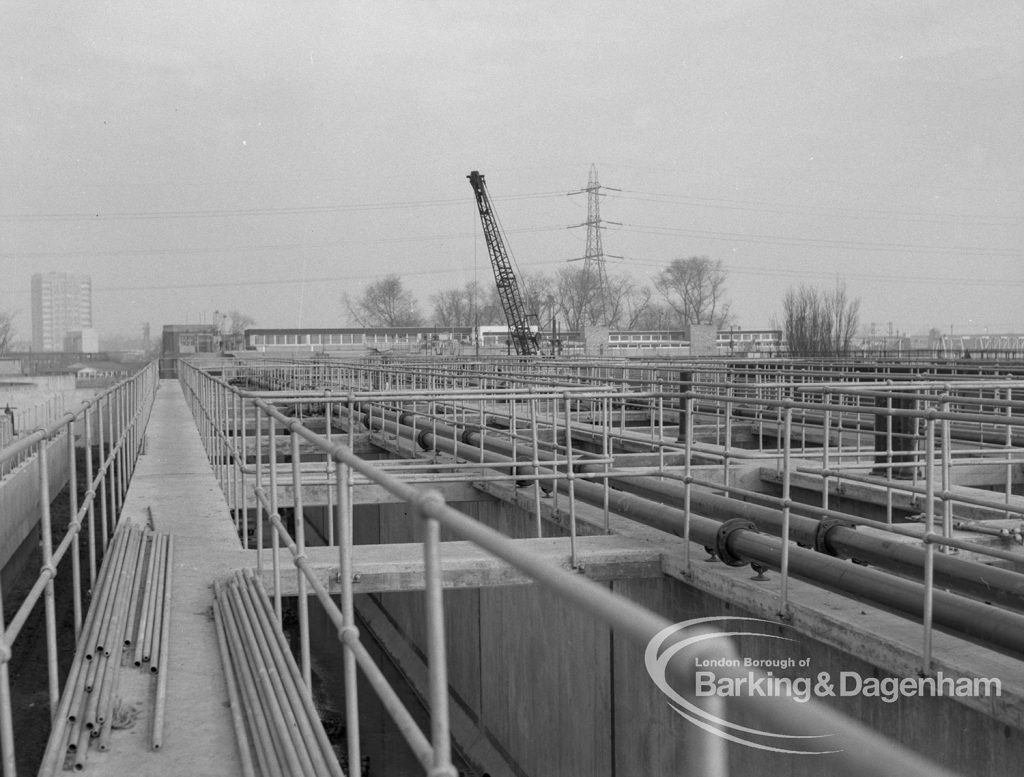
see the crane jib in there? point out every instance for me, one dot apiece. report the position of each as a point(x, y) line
point(522, 336)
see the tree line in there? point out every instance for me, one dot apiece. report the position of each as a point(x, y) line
point(687, 291)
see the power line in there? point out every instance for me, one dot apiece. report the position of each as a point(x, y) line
point(863, 213)
point(243, 212)
point(818, 242)
point(740, 269)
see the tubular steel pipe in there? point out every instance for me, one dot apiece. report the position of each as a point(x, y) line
point(269, 694)
point(951, 611)
point(163, 613)
point(406, 724)
point(128, 633)
point(265, 750)
point(234, 698)
point(262, 702)
point(971, 578)
point(982, 581)
point(854, 740)
point(265, 613)
point(153, 618)
point(314, 739)
point(296, 726)
point(104, 600)
point(147, 602)
point(113, 634)
point(162, 651)
point(436, 655)
point(349, 669)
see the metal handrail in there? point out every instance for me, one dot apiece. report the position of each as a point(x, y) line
point(862, 748)
point(122, 413)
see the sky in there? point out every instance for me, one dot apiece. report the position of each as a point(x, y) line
point(271, 157)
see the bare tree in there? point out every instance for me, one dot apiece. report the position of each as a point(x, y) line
point(536, 288)
point(574, 292)
point(627, 302)
point(6, 330)
point(583, 299)
point(819, 322)
point(465, 307)
point(654, 316)
point(386, 303)
point(239, 322)
point(695, 289)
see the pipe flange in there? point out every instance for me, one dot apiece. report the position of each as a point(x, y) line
point(722, 540)
point(825, 525)
point(467, 435)
point(421, 439)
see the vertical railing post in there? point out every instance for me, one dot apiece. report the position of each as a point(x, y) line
point(258, 515)
point(241, 458)
point(1008, 487)
point(342, 480)
point(929, 558)
point(570, 480)
point(300, 543)
point(826, 426)
point(90, 494)
point(687, 476)
point(436, 654)
point(536, 467)
point(111, 463)
point(946, 475)
point(46, 547)
point(102, 478)
point(74, 525)
point(328, 415)
point(787, 451)
point(6, 710)
point(275, 539)
point(606, 452)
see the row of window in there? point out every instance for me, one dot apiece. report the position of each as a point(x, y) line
point(347, 338)
point(361, 338)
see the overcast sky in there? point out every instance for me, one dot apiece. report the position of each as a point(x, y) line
point(271, 156)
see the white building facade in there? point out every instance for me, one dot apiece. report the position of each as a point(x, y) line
point(61, 303)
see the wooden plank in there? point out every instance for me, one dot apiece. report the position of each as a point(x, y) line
point(399, 567)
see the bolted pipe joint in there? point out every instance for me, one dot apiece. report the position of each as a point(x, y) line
point(421, 439)
point(825, 526)
point(725, 531)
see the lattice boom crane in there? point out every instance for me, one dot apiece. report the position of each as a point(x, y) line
point(523, 337)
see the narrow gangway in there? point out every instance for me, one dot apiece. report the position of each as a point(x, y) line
point(174, 492)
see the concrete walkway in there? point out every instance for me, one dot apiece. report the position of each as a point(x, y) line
point(175, 481)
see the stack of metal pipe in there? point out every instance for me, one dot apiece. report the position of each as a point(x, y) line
point(128, 622)
point(275, 720)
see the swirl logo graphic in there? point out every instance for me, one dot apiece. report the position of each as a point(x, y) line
point(687, 634)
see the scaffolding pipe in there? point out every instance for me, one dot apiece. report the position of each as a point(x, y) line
point(951, 611)
point(981, 581)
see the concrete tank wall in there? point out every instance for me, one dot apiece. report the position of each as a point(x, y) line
point(19, 497)
point(561, 695)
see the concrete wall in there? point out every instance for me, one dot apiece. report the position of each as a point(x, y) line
point(561, 695)
point(19, 498)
